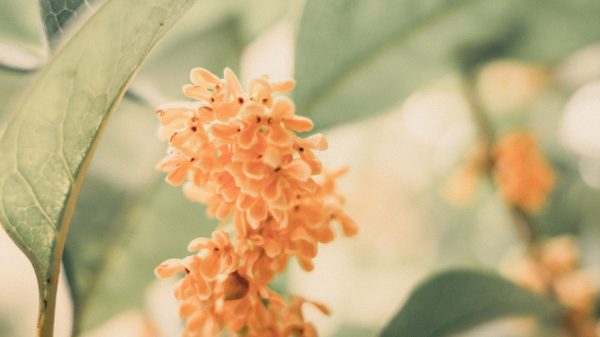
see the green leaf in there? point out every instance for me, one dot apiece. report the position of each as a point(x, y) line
point(563, 210)
point(158, 226)
point(94, 229)
point(58, 16)
point(107, 221)
point(258, 15)
point(356, 58)
point(49, 142)
point(21, 35)
point(124, 166)
point(188, 46)
point(12, 85)
point(456, 300)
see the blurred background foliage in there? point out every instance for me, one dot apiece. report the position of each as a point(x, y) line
point(353, 60)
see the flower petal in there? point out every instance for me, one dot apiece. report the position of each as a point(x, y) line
point(224, 131)
point(283, 108)
point(349, 226)
point(169, 115)
point(168, 268)
point(226, 110)
point(306, 264)
point(239, 222)
point(197, 92)
point(273, 189)
point(220, 238)
point(233, 83)
point(283, 86)
point(260, 90)
point(298, 169)
point(254, 169)
point(299, 123)
point(280, 136)
point(224, 210)
point(244, 201)
point(201, 76)
point(258, 211)
point(178, 175)
point(272, 247)
point(248, 136)
point(316, 141)
point(186, 309)
point(211, 266)
point(326, 235)
point(272, 156)
point(199, 244)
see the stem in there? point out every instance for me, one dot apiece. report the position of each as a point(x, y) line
point(522, 222)
point(524, 226)
point(47, 302)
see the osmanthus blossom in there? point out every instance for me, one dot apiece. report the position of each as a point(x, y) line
point(524, 176)
point(556, 271)
point(239, 153)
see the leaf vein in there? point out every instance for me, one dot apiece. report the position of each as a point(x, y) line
point(37, 201)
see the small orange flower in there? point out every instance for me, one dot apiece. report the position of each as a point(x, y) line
point(219, 254)
point(578, 291)
point(295, 325)
point(524, 176)
point(238, 153)
point(555, 272)
point(560, 255)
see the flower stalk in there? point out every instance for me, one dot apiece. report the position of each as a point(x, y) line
point(487, 138)
point(550, 266)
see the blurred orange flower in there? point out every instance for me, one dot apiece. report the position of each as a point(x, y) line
point(524, 176)
point(555, 271)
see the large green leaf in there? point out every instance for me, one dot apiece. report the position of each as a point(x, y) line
point(355, 58)
point(453, 301)
point(48, 143)
point(158, 227)
point(257, 15)
point(107, 221)
point(95, 226)
point(124, 166)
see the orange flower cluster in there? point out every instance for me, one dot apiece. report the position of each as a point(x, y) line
point(555, 271)
point(238, 153)
point(524, 176)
